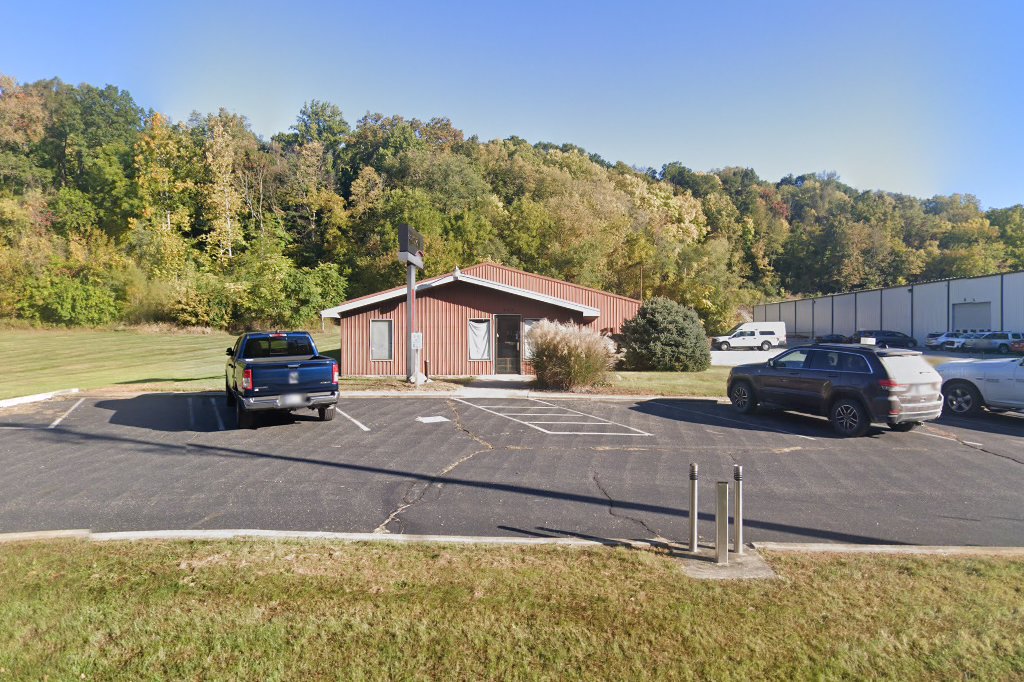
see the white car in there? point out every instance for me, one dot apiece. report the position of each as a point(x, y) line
point(958, 343)
point(941, 340)
point(969, 385)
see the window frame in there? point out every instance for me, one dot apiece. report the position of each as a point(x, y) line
point(391, 340)
point(490, 339)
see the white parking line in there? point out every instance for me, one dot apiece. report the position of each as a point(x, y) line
point(727, 419)
point(216, 413)
point(351, 419)
point(542, 418)
point(56, 422)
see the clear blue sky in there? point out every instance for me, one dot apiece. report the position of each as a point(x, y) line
point(918, 97)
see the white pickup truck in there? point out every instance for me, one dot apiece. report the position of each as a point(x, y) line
point(970, 385)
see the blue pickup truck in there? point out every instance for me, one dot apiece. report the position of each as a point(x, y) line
point(279, 371)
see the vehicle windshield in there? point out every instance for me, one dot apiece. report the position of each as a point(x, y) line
point(285, 345)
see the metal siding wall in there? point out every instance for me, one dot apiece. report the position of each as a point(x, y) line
point(822, 315)
point(804, 311)
point(614, 309)
point(929, 309)
point(787, 314)
point(759, 313)
point(896, 310)
point(844, 305)
point(1013, 302)
point(868, 314)
point(443, 316)
point(978, 290)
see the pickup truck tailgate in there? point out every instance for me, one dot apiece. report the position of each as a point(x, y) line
point(280, 375)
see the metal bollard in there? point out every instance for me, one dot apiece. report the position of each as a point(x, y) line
point(737, 510)
point(693, 507)
point(722, 523)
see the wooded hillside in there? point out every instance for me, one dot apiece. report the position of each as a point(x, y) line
point(110, 212)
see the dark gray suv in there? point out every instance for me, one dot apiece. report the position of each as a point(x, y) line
point(854, 386)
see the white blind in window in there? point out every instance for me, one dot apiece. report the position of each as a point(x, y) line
point(380, 340)
point(479, 339)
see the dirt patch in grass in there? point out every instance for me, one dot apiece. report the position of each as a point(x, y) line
point(320, 610)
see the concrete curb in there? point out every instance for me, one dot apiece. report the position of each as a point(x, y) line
point(907, 550)
point(38, 535)
point(342, 537)
point(539, 395)
point(38, 397)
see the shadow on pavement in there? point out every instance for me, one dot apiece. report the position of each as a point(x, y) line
point(1004, 424)
point(711, 413)
point(144, 447)
point(191, 412)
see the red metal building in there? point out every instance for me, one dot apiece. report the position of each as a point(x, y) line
point(473, 321)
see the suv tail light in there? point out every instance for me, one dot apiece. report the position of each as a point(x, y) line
point(334, 374)
point(247, 380)
point(892, 386)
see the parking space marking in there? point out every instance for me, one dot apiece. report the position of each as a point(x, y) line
point(727, 419)
point(56, 422)
point(216, 413)
point(351, 419)
point(541, 418)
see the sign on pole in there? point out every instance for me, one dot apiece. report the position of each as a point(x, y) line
point(410, 246)
point(410, 252)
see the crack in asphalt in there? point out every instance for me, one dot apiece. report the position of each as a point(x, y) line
point(974, 446)
point(654, 535)
point(417, 489)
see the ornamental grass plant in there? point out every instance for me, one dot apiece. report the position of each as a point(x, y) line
point(567, 356)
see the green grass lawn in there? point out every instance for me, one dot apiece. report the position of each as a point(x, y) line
point(41, 360)
point(307, 611)
point(708, 383)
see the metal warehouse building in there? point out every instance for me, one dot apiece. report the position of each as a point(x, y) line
point(990, 303)
point(473, 321)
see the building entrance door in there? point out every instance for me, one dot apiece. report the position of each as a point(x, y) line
point(506, 335)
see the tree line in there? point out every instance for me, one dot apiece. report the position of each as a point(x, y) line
point(110, 212)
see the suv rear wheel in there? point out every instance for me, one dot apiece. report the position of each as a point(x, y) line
point(1003, 349)
point(961, 398)
point(766, 345)
point(741, 395)
point(849, 418)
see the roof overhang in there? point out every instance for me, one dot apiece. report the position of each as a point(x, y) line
point(427, 285)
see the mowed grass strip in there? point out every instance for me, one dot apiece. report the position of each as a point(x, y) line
point(41, 360)
point(710, 382)
point(303, 610)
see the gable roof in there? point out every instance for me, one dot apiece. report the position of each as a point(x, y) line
point(459, 276)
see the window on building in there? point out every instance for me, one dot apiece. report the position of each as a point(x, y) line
point(527, 325)
point(480, 339)
point(381, 340)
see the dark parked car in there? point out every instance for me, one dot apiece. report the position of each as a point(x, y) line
point(832, 338)
point(853, 386)
point(279, 371)
point(884, 338)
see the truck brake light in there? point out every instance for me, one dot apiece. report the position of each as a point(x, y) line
point(247, 380)
point(334, 374)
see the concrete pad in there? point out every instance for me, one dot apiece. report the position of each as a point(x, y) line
point(747, 566)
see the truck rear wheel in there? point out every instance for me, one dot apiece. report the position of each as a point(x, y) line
point(326, 413)
point(724, 345)
point(766, 345)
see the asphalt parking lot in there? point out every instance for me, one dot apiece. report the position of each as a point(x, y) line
point(611, 469)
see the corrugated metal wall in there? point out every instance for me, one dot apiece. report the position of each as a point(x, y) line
point(614, 309)
point(443, 316)
point(917, 309)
